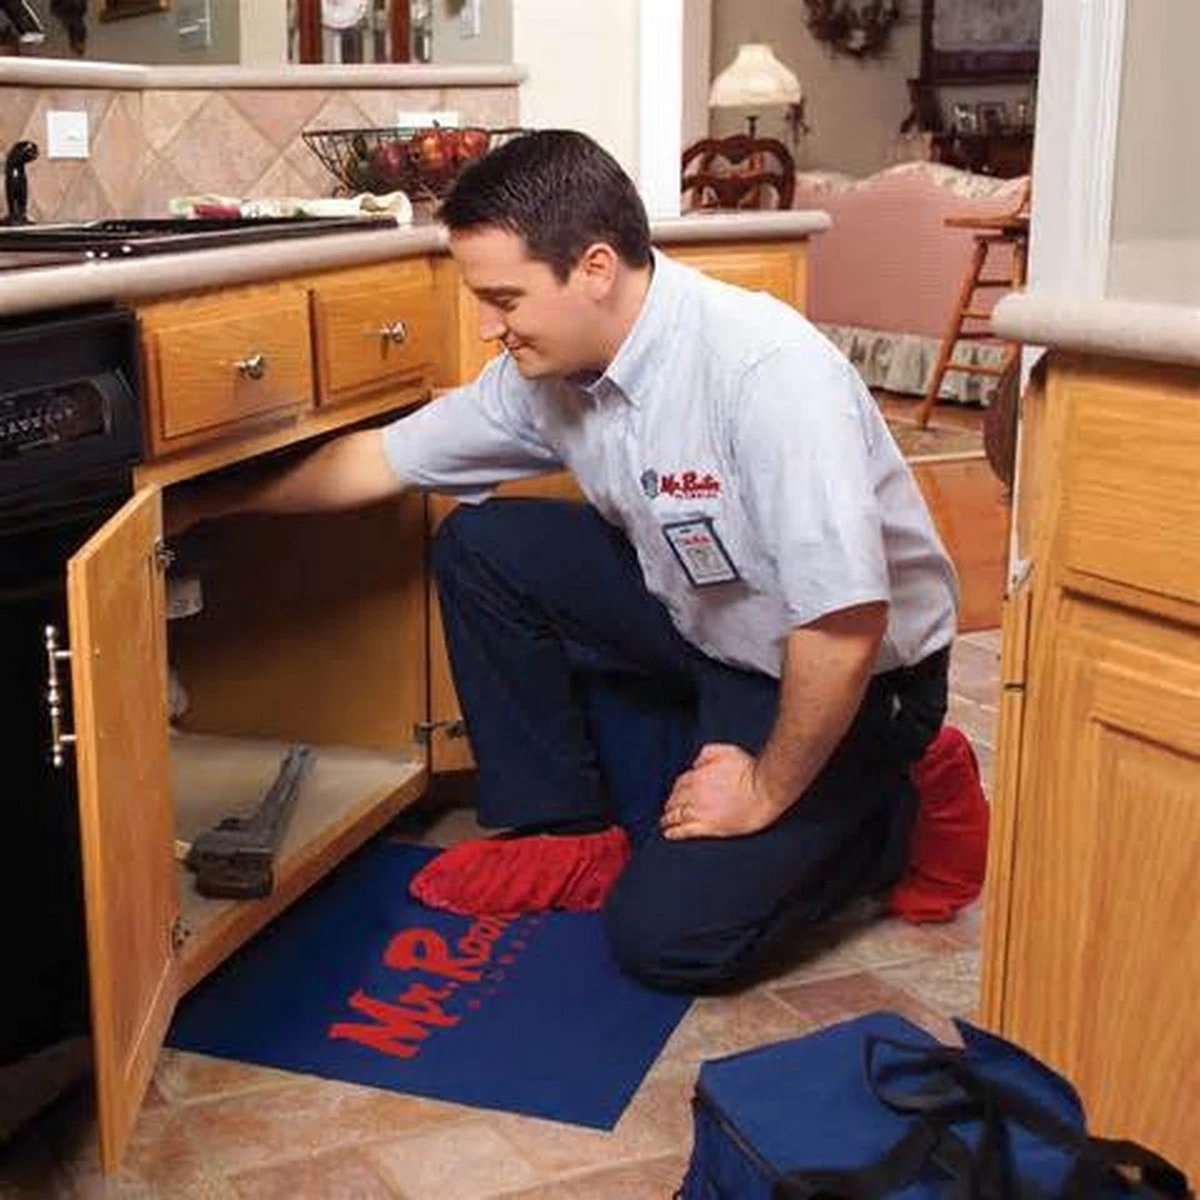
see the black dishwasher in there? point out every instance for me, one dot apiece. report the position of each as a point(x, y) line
point(70, 433)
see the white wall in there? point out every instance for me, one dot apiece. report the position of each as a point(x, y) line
point(1074, 147)
point(697, 68)
point(494, 43)
point(1158, 150)
point(264, 33)
point(582, 63)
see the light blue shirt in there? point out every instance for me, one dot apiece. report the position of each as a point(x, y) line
point(727, 405)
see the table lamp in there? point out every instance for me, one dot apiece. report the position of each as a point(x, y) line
point(757, 79)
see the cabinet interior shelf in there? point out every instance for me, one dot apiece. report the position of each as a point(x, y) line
point(347, 795)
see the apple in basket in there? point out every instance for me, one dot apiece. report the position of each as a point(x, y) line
point(389, 160)
point(472, 144)
point(429, 150)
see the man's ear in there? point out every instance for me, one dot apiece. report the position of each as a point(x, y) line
point(598, 266)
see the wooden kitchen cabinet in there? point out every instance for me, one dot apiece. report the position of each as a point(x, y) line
point(217, 364)
point(1092, 946)
point(306, 634)
point(373, 326)
point(780, 268)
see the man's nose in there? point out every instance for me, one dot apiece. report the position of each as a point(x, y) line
point(491, 323)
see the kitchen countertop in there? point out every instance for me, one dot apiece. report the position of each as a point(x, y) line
point(1168, 333)
point(29, 288)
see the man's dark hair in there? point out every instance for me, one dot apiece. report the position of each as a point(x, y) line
point(560, 192)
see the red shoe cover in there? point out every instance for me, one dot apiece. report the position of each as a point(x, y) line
point(947, 856)
point(503, 876)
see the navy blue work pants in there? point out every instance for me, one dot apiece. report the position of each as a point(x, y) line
point(583, 701)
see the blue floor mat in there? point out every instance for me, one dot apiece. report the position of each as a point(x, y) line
point(358, 981)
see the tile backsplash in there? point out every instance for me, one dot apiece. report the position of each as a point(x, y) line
point(148, 146)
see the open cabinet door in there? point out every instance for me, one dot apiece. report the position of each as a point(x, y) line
point(116, 603)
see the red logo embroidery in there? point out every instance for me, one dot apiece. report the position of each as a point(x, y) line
point(691, 485)
point(400, 1028)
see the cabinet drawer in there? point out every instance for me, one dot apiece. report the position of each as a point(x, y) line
point(1131, 506)
point(374, 327)
point(214, 366)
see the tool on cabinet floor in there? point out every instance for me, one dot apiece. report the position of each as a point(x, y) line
point(236, 859)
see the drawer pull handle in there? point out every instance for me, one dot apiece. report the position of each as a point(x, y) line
point(395, 332)
point(59, 739)
point(254, 367)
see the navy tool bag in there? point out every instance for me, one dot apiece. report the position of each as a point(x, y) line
point(876, 1108)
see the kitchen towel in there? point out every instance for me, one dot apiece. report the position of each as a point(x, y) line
point(360, 982)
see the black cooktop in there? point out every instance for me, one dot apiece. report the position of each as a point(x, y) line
point(127, 238)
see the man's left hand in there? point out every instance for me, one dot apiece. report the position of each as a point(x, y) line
point(717, 797)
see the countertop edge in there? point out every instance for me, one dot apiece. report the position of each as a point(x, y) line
point(1168, 333)
point(720, 226)
point(60, 72)
point(162, 275)
point(167, 274)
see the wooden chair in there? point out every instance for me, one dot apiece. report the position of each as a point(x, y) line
point(738, 172)
point(1005, 232)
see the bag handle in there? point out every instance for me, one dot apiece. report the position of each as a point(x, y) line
point(1096, 1160)
point(1157, 1179)
point(925, 1142)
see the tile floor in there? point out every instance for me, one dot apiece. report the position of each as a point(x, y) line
point(213, 1130)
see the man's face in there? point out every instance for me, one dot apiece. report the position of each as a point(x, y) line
point(548, 327)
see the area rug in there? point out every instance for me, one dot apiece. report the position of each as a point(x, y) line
point(935, 441)
point(359, 982)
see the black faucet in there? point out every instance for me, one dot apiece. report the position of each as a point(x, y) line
point(16, 186)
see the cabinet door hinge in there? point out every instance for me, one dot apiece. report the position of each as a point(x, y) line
point(180, 932)
point(164, 556)
point(423, 731)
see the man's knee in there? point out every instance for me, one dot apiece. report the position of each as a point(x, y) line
point(652, 940)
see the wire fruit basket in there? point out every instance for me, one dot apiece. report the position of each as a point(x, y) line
point(421, 162)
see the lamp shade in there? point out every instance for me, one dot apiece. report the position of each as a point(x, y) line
point(755, 77)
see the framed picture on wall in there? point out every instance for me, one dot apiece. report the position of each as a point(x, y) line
point(118, 10)
point(979, 39)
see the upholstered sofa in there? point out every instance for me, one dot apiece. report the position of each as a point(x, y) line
point(886, 277)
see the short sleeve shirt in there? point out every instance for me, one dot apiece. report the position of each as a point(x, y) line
point(727, 414)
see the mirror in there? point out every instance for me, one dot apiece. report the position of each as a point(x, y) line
point(265, 33)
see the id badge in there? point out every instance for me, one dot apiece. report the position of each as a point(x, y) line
point(704, 559)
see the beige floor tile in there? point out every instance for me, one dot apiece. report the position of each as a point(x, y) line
point(882, 942)
point(557, 1149)
point(825, 1002)
point(977, 721)
point(989, 639)
point(471, 1160)
point(974, 671)
point(719, 1025)
point(181, 1076)
point(966, 930)
point(651, 1179)
point(949, 983)
point(308, 1117)
point(340, 1175)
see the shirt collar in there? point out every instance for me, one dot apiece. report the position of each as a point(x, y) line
point(631, 371)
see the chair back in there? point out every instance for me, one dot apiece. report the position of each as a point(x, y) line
point(738, 172)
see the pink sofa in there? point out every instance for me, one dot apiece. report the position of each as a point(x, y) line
point(886, 277)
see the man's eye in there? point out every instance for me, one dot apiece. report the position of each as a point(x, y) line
point(506, 306)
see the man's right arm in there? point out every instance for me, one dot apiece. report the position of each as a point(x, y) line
point(348, 472)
